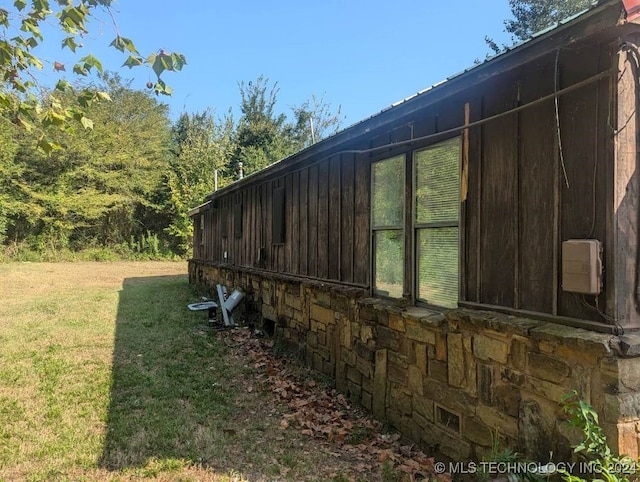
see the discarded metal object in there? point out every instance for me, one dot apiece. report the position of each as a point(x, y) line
point(210, 306)
point(228, 303)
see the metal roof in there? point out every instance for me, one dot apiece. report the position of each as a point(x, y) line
point(485, 64)
point(551, 27)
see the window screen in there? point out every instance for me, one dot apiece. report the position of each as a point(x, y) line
point(389, 262)
point(387, 221)
point(388, 192)
point(437, 205)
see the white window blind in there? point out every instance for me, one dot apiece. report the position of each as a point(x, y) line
point(437, 206)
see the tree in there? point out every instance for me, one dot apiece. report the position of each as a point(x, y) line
point(259, 135)
point(8, 172)
point(314, 120)
point(263, 136)
point(202, 146)
point(21, 34)
point(99, 189)
point(531, 16)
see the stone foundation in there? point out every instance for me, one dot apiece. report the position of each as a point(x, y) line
point(452, 381)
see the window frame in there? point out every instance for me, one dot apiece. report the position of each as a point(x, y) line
point(410, 227)
point(401, 227)
point(417, 226)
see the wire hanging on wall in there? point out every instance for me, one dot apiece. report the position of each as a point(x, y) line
point(555, 98)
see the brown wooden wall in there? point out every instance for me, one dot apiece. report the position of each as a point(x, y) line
point(519, 209)
point(326, 223)
point(521, 206)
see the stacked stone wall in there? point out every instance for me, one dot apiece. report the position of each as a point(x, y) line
point(455, 381)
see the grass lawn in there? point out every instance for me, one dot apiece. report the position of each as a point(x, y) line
point(104, 375)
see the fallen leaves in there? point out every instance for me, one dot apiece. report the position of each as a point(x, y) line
point(326, 415)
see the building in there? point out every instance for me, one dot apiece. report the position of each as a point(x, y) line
point(464, 258)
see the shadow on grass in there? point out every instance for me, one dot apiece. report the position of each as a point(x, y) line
point(171, 389)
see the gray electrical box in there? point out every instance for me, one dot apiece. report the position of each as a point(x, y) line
point(582, 266)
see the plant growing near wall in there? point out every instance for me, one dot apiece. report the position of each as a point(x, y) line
point(506, 456)
point(603, 464)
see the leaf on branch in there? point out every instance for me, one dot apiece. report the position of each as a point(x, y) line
point(33, 60)
point(72, 18)
point(5, 100)
point(70, 43)
point(31, 26)
point(24, 123)
point(90, 62)
point(4, 17)
point(47, 145)
point(123, 43)
point(160, 63)
point(86, 123)
point(20, 4)
point(57, 66)
point(133, 61)
point(85, 98)
point(178, 61)
point(80, 70)
point(53, 118)
point(160, 88)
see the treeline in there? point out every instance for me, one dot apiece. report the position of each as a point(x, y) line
point(123, 188)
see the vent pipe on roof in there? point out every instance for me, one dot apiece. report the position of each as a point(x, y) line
point(632, 8)
point(313, 132)
point(240, 171)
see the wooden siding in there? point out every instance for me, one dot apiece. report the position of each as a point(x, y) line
point(326, 223)
point(518, 208)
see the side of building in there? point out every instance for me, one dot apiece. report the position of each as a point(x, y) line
point(417, 256)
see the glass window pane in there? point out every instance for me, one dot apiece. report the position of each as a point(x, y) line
point(389, 259)
point(388, 192)
point(438, 182)
point(438, 266)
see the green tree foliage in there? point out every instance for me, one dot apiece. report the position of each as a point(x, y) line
point(531, 16)
point(264, 136)
point(8, 172)
point(202, 146)
point(101, 187)
point(260, 134)
point(20, 35)
point(131, 179)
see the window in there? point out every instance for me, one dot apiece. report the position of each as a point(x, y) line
point(437, 206)
point(224, 220)
point(237, 220)
point(427, 231)
point(278, 213)
point(387, 221)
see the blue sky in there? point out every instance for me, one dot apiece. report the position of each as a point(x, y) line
point(360, 55)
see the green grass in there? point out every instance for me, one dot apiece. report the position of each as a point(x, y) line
point(105, 375)
point(110, 378)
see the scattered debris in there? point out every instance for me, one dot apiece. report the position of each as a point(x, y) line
point(324, 413)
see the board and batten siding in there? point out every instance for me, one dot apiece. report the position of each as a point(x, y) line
point(326, 216)
point(519, 208)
